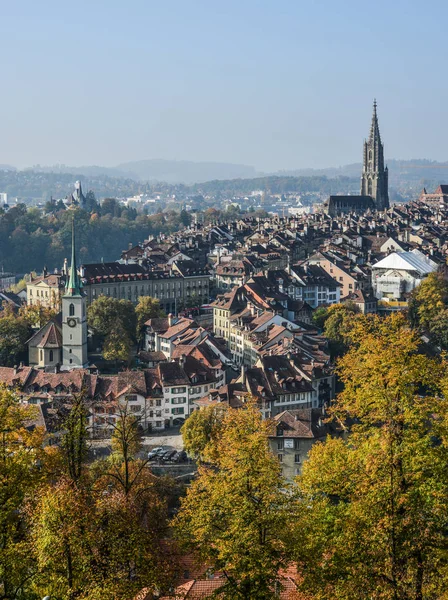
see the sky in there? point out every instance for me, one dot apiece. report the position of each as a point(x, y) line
point(277, 84)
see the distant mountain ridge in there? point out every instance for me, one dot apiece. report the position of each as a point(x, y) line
point(160, 170)
point(402, 173)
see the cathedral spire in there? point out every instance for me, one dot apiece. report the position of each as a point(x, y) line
point(374, 128)
point(374, 180)
point(73, 285)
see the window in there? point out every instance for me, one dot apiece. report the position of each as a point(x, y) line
point(179, 390)
point(51, 355)
point(180, 400)
point(158, 402)
point(158, 423)
point(297, 458)
point(178, 411)
point(296, 444)
point(136, 408)
point(71, 310)
point(280, 445)
point(280, 457)
point(131, 398)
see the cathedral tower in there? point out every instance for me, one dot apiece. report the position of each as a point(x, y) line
point(74, 321)
point(374, 179)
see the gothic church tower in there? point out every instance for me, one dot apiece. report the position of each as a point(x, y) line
point(74, 320)
point(374, 179)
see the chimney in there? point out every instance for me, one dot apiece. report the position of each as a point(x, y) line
point(182, 360)
point(15, 369)
point(130, 246)
point(170, 320)
point(243, 374)
point(45, 271)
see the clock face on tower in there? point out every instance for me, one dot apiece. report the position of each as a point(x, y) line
point(71, 322)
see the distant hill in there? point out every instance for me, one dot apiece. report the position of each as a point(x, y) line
point(185, 171)
point(402, 173)
point(159, 170)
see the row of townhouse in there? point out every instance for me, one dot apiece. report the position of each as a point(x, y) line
point(160, 397)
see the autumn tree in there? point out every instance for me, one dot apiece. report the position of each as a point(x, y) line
point(373, 506)
point(21, 471)
point(428, 299)
point(235, 512)
point(37, 315)
point(117, 344)
point(61, 530)
point(428, 308)
point(201, 431)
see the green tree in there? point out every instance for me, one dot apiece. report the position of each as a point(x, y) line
point(14, 333)
point(74, 438)
point(147, 308)
point(185, 218)
point(236, 511)
point(105, 314)
point(338, 324)
point(320, 315)
point(373, 506)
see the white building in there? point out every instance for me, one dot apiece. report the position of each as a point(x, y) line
point(399, 273)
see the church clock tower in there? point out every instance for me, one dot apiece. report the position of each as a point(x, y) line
point(74, 320)
point(374, 179)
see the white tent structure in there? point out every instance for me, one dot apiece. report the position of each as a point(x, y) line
point(399, 273)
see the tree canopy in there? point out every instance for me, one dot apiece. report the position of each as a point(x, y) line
point(372, 513)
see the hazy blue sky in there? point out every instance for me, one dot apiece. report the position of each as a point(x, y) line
point(275, 84)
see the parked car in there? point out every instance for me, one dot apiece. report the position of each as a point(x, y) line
point(179, 456)
point(167, 455)
point(157, 452)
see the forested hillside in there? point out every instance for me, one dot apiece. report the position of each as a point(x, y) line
point(30, 239)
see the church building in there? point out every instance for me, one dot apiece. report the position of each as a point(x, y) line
point(374, 179)
point(64, 345)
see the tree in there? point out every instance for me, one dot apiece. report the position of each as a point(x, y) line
point(14, 333)
point(338, 324)
point(117, 345)
point(320, 315)
point(126, 443)
point(236, 511)
point(106, 314)
point(62, 539)
point(185, 218)
point(37, 315)
point(74, 438)
point(147, 308)
point(428, 299)
point(21, 471)
point(373, 507)
point(202, 429)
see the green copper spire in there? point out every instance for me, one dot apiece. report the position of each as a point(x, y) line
point(73, 285)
